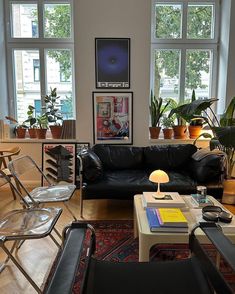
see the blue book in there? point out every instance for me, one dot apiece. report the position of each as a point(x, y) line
point(152, 218)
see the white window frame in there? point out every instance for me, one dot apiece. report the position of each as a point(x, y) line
point(184, 43)
point(41, 44)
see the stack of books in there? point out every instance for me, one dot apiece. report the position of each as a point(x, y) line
point(169, 220)
point(170, 199)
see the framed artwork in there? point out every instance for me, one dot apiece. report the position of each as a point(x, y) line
point(112, 59)
point(112, 117)
point(59, 161)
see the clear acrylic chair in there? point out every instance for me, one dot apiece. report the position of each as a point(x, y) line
point(43, 194)
point(24, 224)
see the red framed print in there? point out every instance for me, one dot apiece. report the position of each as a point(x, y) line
point(112, 117)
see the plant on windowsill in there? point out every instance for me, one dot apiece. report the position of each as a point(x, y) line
point(53, 114)
point(167, 124)
point(193, 110)
point(42, 125)
point(179, 129)
point(19, 129)
point(31, 120)
point(156, 108)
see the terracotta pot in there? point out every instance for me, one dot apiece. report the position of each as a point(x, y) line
point(32, 133)
point(168, 133)
point(154, 132)
point(194, 131)
point(229, 191)
point(20, 132)
point(56, 131)
point(41, 133)
point(179, 132)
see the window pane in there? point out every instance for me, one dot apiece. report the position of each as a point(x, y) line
point(27, 90)
point(168, 21)
point(200, 22)
point(59, 64)
point(166, 81)
point(57, 20)
point(24, 20)
point(198, 72)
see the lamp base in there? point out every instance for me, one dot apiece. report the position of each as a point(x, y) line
point(158, 195)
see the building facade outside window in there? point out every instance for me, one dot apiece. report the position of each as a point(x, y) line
point(40, 50)
point(184, 48)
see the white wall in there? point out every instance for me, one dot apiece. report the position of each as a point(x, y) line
point(3, 81)
point(111, 18)
point(226, 71)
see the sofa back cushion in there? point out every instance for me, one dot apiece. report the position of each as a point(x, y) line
point(119, 157)
point(92, 166)
point(168, 157)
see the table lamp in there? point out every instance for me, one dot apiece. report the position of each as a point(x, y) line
point(159, 176)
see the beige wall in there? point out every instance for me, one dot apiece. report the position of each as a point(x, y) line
point(122, 19)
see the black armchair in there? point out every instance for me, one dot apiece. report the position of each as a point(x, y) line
point(195, 275)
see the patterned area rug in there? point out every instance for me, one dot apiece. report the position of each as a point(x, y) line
point(115, 242)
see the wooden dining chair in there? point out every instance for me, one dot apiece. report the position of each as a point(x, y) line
point(6, 155)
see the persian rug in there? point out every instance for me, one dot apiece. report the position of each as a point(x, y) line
point(115, 242)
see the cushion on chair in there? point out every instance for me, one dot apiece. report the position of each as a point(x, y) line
point(92, 166)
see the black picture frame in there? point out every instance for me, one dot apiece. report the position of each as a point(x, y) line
point(112, 63)
point(59, 161)
point(113, 117)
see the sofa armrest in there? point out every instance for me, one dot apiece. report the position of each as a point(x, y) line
point(209, 168)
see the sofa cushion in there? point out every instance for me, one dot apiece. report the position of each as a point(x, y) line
point(207, 169)
point(124, 185)
point(92, 166)
point(168, 157)
point(119, 157)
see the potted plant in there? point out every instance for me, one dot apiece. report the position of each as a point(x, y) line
point(156, 108)
point(32, 122)
point(20, 130)
point(193, 110)
point(167, 123)
point(179, 129)
point(225, 134)
point(42, 124)
point(53, 114)
point(224, 139)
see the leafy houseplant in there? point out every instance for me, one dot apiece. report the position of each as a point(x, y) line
point(224, 139)
point(156, 108)
point(193, 110)
point(32, 122)
point(167, 123)
point(42, 124)
point(53, 114)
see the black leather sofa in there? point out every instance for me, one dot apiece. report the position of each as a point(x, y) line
point(120, 172)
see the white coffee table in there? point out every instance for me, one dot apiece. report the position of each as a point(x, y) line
point(147, 238)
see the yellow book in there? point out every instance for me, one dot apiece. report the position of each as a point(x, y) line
point(172, 217)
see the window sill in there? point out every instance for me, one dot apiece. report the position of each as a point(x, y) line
point(28, 140)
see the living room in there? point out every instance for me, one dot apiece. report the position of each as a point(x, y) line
point(129, 19)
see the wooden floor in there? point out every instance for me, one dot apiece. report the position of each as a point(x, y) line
point(37, 255)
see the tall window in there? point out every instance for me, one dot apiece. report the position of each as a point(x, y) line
point(184, 48)
point(40, 52)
